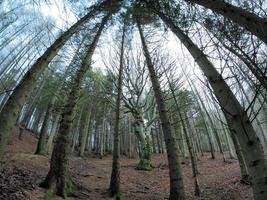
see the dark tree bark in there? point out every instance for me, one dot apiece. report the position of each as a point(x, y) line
point(57, 176)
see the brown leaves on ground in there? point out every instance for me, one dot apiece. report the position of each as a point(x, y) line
point(22, 172)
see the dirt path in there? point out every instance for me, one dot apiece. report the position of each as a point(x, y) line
point(21, 174)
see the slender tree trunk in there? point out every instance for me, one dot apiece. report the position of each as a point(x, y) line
point(200, 105)
point(185, 123)
point(237, 118)
point(75, 130)
point(158, 138)
point(52, 135)
point(37, 120)
point(161, 137)
point(84, 130)
point(192, 155)
point(57, 176)
point(30, 109)
point(41, 146)
point(183, 149)
point(114, 186)
point(12, 107)
point(214, 130)
point(153, 140)
point(88, 146)
point(175, 171)
point(228, 140)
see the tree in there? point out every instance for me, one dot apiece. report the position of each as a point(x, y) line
point(114, 186)
point(58, 174)
point(11, 109)
point(236, 116)
point(250, 21)
point(176, 179)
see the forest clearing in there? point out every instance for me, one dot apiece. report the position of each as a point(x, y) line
point(133, 99)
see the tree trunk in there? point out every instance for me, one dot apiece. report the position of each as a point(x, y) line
point(250, 21)
point(237, 118)
point(242, 164)
point(175, 171)
point(30, 109)
point(185, 124)
point(85, 120)
point(114, 186)
point(228, 140)
point(214, 130)
point(58, 174)
point(11, 109)
point(37, 120)
point(41, 146)
point(192, 154)
point(145, 146)
point(52, 135)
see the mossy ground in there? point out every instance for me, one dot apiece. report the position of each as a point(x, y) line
point(144, 165)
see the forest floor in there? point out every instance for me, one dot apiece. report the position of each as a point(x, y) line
point(21, 172)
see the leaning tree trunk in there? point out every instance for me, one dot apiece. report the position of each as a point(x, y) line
point(175, 171)
point(11, 109)
point(57, 176)
point(236, 116)
point(250, 21)
point(251, 65)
